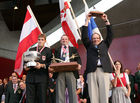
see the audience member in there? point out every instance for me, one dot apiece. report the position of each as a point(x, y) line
point(1, 89)
point(84, 96)
point(22, 86)
point(14, 74)
point(51, 89)
point(137, 81)
point(13, 93)
point(24, 78)
point(10, 78)
point(132, 85)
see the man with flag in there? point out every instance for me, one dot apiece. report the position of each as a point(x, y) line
point(37, 77)
point(98, 62)
point(66, 79)
point(36, 80)
point(28, 37)
point(65, 52)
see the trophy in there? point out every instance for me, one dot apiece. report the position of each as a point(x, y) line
point(31, 57)
point(96, 13)
point(64, 66)
point(62, 61)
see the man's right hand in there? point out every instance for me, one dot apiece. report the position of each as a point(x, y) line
point(26, 68)
point(105, 19)
point(50, 69)
point(87, 19)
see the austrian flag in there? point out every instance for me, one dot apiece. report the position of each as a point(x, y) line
point(28, 37)
point(67, 22)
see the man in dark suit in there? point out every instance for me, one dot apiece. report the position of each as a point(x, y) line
point(22, 86)
point(51, 89)
point(66, 79)
point(1, 89)
point(137, 80)
point(132, 84)
point(98, 62)
point(13, 93)
point(36, 80)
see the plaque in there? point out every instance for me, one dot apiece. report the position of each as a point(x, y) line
point(96, 13)
point(64, 67)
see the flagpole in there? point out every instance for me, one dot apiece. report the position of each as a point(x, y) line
point(116, 69)
point(74, 17)
point(31, 12)
point(84, 2)
point(111, 60)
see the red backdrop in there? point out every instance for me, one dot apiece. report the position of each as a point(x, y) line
point(6, 67)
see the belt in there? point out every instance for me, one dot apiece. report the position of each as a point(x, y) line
point(99, 65)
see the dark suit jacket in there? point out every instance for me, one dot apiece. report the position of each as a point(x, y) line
point(132, 84)
point(12, 97)
point(101, 52)
point(23, 98)
point(72, 50)
point(85, 94)
point(1, 91)
point(137, 80)
point(40, 75)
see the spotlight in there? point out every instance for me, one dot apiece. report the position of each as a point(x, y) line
point(15, 8)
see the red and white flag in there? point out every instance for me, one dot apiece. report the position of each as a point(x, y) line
point(28, 37)
point(67, 22)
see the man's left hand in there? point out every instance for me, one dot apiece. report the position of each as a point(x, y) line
point(38, 66)
point(79, 67)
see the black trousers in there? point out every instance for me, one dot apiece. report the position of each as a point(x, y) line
point(36, 92)
point(52, 97)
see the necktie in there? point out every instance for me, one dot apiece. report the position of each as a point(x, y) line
point(15, 87)
point(23, 98)
point(64, 53)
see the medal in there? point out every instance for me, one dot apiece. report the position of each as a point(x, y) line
point(43, 58)
point(40, 50)
point(64, 55)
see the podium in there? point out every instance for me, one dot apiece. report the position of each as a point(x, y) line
point(64, 67)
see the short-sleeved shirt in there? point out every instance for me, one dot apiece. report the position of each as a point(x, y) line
point(121, 76)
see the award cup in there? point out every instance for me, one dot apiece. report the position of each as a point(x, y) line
point(31, 57)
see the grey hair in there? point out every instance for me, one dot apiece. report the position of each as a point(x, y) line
point(97, 34)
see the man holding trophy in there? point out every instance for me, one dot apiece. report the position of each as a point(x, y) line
point(37, 61)
point(66, 79)
point(98, 62)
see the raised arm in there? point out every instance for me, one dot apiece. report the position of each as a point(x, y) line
point(85, 37)
point(109, 36)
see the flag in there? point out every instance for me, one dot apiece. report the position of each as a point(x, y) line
point(92, 27)
point(28, 37)
point(67, 22)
